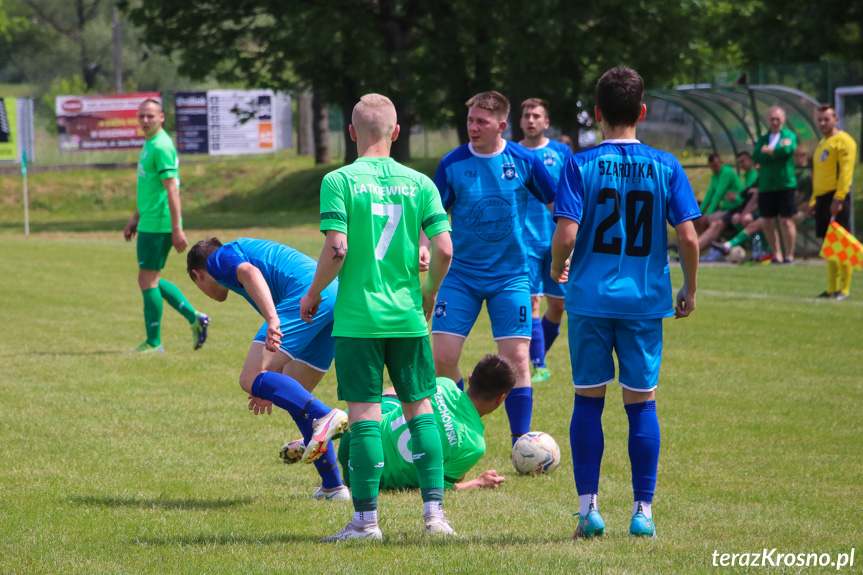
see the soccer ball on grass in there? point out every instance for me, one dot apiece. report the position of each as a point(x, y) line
point(736, 255)
point(535, 452)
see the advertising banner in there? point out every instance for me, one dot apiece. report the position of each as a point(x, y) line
point(191, 121)
point(106, 122)
point(240, 122)
point(16, 129)
point(8, 130)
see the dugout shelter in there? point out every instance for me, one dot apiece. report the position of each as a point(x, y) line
point(692, 121)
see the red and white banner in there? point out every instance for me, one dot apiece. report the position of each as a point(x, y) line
point(107, 122)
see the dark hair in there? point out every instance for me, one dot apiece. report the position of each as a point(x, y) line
point(619, 95)
point(196, 259)
point(744, 153)
point(824, 107)
point(493, 375)
point(713, 156)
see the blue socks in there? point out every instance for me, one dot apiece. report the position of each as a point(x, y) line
point(519, 410)
point(644, 444)
point(537, 344)
point(587, 442)
point(287, 393)
point(550, 331)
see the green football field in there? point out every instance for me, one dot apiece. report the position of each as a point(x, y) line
point(116, 463)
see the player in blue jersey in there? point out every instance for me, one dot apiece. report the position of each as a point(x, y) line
point(538, 229)
point(612, 205)
point(486, 184)
point(288, 356)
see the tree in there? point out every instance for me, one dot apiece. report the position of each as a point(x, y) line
point(429, 57)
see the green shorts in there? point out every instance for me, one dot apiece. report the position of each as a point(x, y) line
point(360, 368)
point(153, 249)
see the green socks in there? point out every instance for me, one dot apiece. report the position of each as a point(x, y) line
point(428, 456)
point(153, 315)
point(153, 308)
point(738, 239)
point(177, 300)
point(367, 464)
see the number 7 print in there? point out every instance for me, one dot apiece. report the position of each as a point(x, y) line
point(393, 213)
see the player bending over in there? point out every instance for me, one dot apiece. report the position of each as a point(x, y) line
point(612, 206)
point(458, 415)
point(288, 356)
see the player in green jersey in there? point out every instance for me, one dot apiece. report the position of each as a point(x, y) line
point(458, 416)
point(159, 225)
point(381, 310)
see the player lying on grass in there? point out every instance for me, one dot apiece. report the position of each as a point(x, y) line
point(458, 416)
point(288, 356)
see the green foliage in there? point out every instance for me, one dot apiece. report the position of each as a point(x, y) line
point(9, 24)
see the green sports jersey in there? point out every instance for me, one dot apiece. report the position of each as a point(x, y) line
point(750, 178)
point(381, 206)
point(461, 432)
point(720, 184)
point(158, 161)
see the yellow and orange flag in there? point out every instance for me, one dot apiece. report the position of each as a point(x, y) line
point(841, 247)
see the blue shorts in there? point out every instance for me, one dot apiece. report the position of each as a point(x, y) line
point(308, 343)
point(540, 277)
point(637, 343)
point(507, 300)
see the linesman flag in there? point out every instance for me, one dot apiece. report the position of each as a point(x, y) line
point(841, 247)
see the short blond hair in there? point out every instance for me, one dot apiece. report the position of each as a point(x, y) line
point(494, 102)
point(374, 117)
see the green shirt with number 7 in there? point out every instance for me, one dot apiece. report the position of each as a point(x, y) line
point(381, 206)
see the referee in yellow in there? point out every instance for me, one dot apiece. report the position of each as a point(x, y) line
point(832, 171)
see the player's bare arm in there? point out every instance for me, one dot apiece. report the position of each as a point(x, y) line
point(561, 247)
point(329, 265)
point(441, 256)
point(132, 226)
point(256, 286)
point(687, 241)
point(178, 237)
point(425, 253)
point(487, 480)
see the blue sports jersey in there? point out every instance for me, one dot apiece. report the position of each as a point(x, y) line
point(288, 273)
point(622, 193)
point(539, 225)
point(488, 195)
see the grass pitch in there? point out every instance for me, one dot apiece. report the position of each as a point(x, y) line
point(115, 463)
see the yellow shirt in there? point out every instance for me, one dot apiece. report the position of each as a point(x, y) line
point(833, 166)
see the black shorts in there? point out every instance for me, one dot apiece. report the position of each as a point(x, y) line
point(726, 218)
point(822, 213)
point(777, 203)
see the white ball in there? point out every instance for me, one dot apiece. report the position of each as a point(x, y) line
point(736, 255)
point(535, 452)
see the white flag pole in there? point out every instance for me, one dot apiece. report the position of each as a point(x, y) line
point(26, 200)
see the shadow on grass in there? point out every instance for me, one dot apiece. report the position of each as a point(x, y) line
point(283, 202)
point(395, 540)
point(192, 222)
point(69, 353)
point(187, 504)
